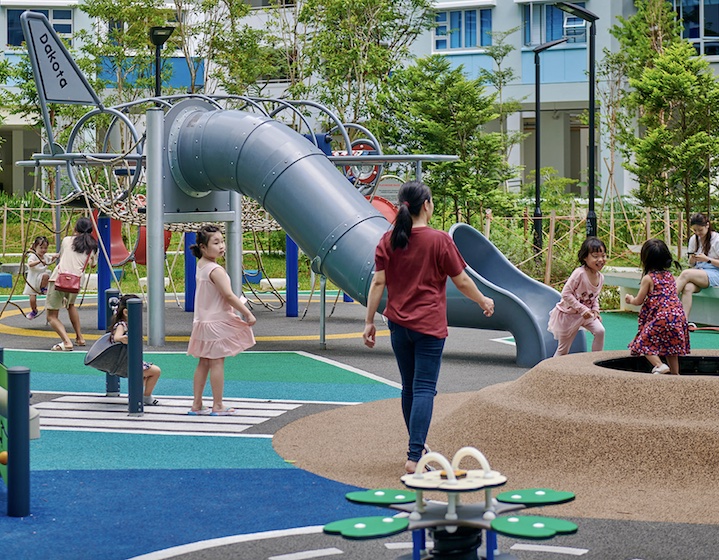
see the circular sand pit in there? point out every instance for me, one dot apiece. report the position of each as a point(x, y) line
point(631, 445)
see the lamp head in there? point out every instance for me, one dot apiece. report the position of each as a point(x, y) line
point(159, 35)
point(549, 45)
point(577, 11)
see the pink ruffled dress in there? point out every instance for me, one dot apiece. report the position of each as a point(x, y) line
point(217, 330)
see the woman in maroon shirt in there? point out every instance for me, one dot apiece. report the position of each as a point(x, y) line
point(413, 261)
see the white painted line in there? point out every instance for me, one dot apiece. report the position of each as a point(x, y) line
point(178, 402)
point(89, 414)
point(158, 412)
point(154, 432)
point(406, 545)
point(358, 371)
point(224, 541)
point(133, 421)
point(509, 340)
point(570, 551)
point(307, 554)
point(188, 399)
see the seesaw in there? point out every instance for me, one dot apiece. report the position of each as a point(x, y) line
point(456, 528)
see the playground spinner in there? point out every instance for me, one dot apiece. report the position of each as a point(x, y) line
point(456, 528)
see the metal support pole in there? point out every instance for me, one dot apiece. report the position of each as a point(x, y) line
point(292, 277)
point(18, 449)
point(135, 405)
point(591, 214)
point(104, 268)
point(537, 170)
point(158, 71)
point(112, 382)
point(155, 231)
point(233, 258)
point(190, 271)
point(323, 311)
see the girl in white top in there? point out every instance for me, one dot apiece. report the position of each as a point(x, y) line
point(77, 251)
point(37, 275)
point(703, 252)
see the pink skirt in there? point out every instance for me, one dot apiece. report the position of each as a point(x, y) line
point(563, 325)
point(220, 339)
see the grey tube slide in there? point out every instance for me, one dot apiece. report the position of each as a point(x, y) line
point(335, 225)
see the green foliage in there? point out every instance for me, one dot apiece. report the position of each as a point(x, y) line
point(430, 108)
point(499, 78)
point(353, 46)
point(676, 98)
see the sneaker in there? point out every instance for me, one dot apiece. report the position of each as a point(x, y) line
point(664, 368)
point(31, 315)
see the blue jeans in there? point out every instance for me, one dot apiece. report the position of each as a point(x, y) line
point(419, 357)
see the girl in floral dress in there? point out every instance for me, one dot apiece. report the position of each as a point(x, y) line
point(663, 328)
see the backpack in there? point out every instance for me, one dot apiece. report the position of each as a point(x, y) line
point(108, 356)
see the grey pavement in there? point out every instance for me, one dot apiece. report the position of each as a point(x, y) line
point(473, 359)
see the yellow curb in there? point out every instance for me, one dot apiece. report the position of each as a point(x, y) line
point(21, 331)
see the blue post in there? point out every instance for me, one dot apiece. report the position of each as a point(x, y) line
point(104, 270)
point(18, 449)
point(190, 270)
point(491, 543)
point(112, 382)
point(418, 544)
point(292, 295)
point(135, 405)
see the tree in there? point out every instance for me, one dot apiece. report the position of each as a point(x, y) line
point(432, 109)
point(499, 79)
point(353, 46)
point(679, 140)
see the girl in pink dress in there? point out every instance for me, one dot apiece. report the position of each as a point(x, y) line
point(579, 306)
point(663, 327)
point(217, 331)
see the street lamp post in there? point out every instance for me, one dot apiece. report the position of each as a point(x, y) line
point(537, 142)
point(586, 15)
point(158, 37)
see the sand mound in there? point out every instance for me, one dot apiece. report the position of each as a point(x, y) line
point(630, 445)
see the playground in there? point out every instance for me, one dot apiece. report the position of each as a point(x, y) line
point(107, 485)
point(319, 414)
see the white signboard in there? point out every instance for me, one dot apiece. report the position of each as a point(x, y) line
point(388, 187)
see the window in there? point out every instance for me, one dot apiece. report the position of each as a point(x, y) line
point(60, 20)
point(701, 24)
point(546, 22)
point(269, 3)
point(463, 29)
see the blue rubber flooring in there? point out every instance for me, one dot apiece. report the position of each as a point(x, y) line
point(116, 495)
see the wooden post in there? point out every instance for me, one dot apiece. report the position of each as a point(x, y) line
point(648, 224)
point(680, 234)
point(572, 218)
point(487, 222)
point(22, 227)
point(4, 229)
point(611, 228)
point(525, 219)
point(550, 245)
point(667, 228)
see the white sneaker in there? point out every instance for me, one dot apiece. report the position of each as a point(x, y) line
point(664, 368)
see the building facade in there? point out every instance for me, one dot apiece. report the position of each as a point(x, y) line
point(462, 34)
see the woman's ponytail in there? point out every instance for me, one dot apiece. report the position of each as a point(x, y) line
point(412, 195)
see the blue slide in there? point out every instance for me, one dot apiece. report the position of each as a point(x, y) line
point(335, 225)
point(522, 304)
